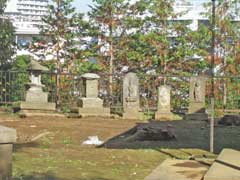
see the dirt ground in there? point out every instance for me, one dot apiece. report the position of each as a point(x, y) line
point(60, 155)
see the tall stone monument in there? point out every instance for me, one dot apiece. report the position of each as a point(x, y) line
point(196, 110)
point(131, 97)
point(164, 106)
point(36, 100)
point(7, 139)
point(90, 104)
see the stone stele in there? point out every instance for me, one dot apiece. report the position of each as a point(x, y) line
point(36, 99)
point(90, 104)
point(131, 97)
point(196, 110)
point(164, 105)
point(225, 167)
point(7, 138)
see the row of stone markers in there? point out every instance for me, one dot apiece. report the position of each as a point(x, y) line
point(91, 105)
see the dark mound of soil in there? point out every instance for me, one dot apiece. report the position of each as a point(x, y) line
point(230, 120)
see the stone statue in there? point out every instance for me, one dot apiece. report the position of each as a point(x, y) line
point(132, 89)
point(197, 91)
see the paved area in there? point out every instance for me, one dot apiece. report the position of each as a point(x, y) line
point(178, 170)
point(226, 166)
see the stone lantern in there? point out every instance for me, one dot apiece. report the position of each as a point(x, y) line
point(90, 104)
point(36, 99)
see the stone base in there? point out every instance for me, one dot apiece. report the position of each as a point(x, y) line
point(226, 166)
point(37, 96)
point(196, 107)
point(7, 138)
point(6, 161)
point(94, 111)
point(92, 107)
point(196, 117)
point(90, 102)
point(33, 113)
point(37, 106)
point(178, 170)
point(131, 114)
point(163, 116)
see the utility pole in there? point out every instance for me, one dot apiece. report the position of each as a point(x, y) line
point(212, 75)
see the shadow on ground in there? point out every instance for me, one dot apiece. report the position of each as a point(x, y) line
point(20, 146)
point(189, 134)
point(51, 177)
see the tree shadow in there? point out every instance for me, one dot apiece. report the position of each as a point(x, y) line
point(189, 135)
point(50, 176)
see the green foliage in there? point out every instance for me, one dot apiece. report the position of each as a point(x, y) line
point(59, 28)
point(7, 41)
point(19, 83)
point(2, 6)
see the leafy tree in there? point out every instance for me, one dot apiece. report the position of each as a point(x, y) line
point(107, 19)
point(226, 42)
point(20, 65)
point(7, 39)
point(59, 28)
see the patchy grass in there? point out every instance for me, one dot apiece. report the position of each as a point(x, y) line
point(60, 154)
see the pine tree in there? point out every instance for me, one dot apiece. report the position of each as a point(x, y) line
point(7, 39)
point(107, 19)
point(59, 29)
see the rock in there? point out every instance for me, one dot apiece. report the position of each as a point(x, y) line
point(230, 120)
point(147, 133)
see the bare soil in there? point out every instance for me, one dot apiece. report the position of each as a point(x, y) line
point(57, 152)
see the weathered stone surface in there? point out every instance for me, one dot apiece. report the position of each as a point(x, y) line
point(131, 97)
point(230, 120)
point(37, 96)
point(38, 106)
point(178, 170)
point(96, 111)
point(6, 161)
point(7, 138)
point(90, 76)
point(35, 66)
point(226, 166)
point(36, 99)
point(90, 104)
point(7, 135)
point(196, 110)
point(164, 106)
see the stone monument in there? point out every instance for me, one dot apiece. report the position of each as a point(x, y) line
point(164, 106)
point(131, 97)
point(7, 138)
point(90, 104)
point(36, 100)
point(196, 110)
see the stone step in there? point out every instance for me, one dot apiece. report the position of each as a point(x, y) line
point(172, 169)
point(226, 166)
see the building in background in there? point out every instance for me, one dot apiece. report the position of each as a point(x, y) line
point(26, 16)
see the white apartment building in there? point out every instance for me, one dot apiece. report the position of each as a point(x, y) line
point(26, 16)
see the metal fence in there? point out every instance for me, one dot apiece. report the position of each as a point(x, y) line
point(13, 86)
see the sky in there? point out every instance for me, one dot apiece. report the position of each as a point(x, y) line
point(82, 5)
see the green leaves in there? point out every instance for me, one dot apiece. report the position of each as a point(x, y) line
point(7, 42)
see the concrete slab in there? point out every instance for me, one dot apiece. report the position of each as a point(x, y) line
point(7, 135)
point(178, 170)
point(226, 166)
